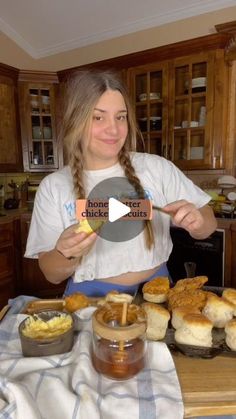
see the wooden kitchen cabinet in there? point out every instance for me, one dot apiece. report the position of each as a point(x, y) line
point(41, 148)
point(233, 259)
point(149, 89)
point(9, 121)
point(9, 267)
point(33, 281)
point(180, 108)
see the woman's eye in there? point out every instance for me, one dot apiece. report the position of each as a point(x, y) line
point(97, 117)
point(122, 117)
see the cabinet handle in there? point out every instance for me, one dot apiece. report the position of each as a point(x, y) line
point(31, 157)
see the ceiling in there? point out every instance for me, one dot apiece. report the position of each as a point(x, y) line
point(47, 27)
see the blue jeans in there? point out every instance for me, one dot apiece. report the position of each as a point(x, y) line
point(101, 288)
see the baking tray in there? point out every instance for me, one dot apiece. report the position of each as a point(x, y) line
point(219, 347)
point(35, 306)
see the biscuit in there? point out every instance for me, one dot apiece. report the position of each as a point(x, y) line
point(76, 301)
point(157, 321)
point(156, 290)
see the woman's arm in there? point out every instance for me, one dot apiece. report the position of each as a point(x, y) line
point(56, 267)
point(199, 222)
point(61, 262)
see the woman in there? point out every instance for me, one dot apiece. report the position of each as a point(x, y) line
point(100, 138)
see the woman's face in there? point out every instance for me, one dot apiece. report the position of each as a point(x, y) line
point(108, 131)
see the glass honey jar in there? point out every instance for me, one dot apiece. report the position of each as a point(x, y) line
point(118, 350)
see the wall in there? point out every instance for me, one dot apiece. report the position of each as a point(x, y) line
point(181, 30)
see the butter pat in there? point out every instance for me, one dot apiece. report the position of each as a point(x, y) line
point(37, 328)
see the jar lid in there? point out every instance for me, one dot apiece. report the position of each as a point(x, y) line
point(106, 322)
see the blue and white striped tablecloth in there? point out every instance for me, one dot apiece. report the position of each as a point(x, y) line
point(67, 386)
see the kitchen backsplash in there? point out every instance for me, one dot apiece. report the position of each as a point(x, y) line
point(8, 180)
point(206, 180)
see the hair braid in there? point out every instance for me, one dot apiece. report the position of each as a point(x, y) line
point(77, 173)
point(125, 162)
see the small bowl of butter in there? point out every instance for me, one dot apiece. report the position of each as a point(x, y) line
point(47, 333)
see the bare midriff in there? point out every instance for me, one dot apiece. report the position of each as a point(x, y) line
point(130, 278)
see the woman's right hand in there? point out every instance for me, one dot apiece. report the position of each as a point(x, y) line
point(75, 245)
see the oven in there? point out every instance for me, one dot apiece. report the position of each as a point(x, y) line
point(191, 257)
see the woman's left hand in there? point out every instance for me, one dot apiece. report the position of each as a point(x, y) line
point(199, 222)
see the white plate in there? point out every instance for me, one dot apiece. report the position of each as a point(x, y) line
point(153, 95)
point(199, 82)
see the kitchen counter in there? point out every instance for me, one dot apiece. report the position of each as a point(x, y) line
point(208, 385)
point(226, 223)
point(11, 215)
point(233, 226)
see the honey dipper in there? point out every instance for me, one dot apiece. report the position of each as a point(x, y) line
point(119, 358)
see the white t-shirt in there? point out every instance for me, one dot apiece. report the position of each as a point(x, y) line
point(54, 210)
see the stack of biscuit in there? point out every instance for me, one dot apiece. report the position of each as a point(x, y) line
point(194, 312)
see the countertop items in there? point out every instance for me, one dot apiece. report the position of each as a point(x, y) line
point(76, 379)
point(47, 333)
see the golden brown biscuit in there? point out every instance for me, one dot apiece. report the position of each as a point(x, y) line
point(157, 321)
point(218, 310)
point(230, 331)
point(117, 297)
point(156, 290)
point(196, 329)
point(178, 314)
point(230, 295)
point(191, 283)
point(195, 298)
point(76, 301)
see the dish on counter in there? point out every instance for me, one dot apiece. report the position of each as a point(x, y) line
point(47, 333)
point(152, 96)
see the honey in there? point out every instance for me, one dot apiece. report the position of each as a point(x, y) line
point(118, 352)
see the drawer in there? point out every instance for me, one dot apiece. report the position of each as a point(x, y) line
point(6, 233)
point(7, 291)
point(6, 262)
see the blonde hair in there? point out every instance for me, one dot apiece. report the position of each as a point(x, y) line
point(83, 92)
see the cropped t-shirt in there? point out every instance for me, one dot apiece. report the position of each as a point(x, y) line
point(54, 210)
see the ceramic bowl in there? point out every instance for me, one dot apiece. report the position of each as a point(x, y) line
point(47, 346)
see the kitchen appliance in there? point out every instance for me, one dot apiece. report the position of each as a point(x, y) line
point(206, 256)
point(11, 203)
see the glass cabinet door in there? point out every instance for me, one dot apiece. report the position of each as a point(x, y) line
point(42, 149)
point(149, 89)
point(191, 106)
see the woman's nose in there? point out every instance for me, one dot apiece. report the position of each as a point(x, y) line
point(112, 125)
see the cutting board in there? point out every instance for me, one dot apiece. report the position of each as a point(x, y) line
point(208, 385)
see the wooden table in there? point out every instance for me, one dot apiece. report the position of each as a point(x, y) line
point(208, 385)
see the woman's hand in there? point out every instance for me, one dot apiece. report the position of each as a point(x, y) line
point(199, 222)
point(75, 245)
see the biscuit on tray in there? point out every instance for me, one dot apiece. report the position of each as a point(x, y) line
point(156, 290)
